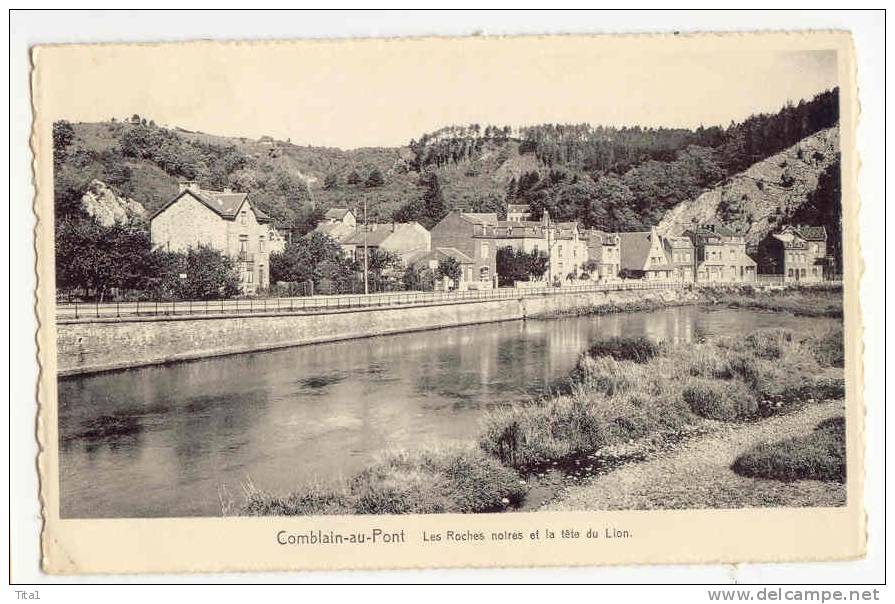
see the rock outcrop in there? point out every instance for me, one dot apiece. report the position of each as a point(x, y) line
point(108, 208)
point(757, 200)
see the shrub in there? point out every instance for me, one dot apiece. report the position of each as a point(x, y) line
point(829, 348)
point(725, 401)
point(769, 343)
point(639, 350)
point(460, 480)
point(817, 456)
point(313, 500)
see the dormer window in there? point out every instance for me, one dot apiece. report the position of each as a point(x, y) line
point(243, 217)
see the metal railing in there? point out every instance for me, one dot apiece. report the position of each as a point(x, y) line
point(78, 312)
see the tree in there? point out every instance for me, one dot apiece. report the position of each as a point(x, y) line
point(537, 264)
point(449, 268)
point(375, 179)
point(201, 273)
point(316, 258)
point(331, 181)
point(491, 203)
point(419, 279)
point(353, 178)
point(63, 134)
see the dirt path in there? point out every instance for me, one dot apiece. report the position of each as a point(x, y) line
point(698, 474)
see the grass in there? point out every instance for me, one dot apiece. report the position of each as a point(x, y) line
point(639, 350)
point(817, 456)
point(460, 480)
point(622, 389)
point(818, 301)
point(610, 401)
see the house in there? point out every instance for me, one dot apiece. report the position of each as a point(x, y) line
point(222, 220)
point(337, 223)
point(563, 242)
point(339, 216)
point(473, 235)
point(682, 255)
point(721, 255)
point(643, 256)
point(408, 240)
point(431, 260)
point(603, 254)
point(517, 212)
point(799, 253)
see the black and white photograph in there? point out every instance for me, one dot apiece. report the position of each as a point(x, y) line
point(477, 316)
point(495, 279)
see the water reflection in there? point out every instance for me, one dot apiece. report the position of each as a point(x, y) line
point(161, 441)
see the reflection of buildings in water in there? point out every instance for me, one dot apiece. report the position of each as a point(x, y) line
point(672, 325)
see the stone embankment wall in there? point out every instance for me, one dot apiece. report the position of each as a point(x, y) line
point(120, 343)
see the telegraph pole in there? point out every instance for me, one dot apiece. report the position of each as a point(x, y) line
point(366, 282)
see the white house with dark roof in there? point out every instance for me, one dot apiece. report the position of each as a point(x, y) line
point(222, 220)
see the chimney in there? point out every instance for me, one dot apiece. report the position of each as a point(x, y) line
point(228, 190)
point(188, 185)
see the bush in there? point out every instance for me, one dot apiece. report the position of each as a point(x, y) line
point(726, 401)
point(313, 500)
point(769, 343)
point(461, 480)
point(829, 348)
point(639, 350)
point(817, 456)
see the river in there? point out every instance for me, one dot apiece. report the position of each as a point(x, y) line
point(165, 440)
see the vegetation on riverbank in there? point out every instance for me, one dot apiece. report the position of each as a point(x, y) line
point(817, 456)
point(814, 301)
point(622, 389)
point(611, 401)
point(458, 480)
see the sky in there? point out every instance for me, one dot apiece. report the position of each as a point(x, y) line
point(387, 92)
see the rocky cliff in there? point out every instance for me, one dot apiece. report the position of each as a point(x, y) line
point(757, 200)
point(107, 207)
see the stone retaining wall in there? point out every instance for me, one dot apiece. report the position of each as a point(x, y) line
point(120, 343)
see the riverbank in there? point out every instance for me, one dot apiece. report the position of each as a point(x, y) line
point(622, 391)
point(806, 301)
point(813, 301)
point(699, 473)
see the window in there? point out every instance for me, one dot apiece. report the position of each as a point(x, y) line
point(790, 272)
point(804, 272)
point(243, 244)
point(484, 274)
point(486, 250)
point(559, 251)
point(261, 243)
point(243, 217)
point(249, 275)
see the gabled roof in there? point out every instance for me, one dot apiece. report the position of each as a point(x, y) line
point(454, 253)
point(224, 204)
point(634, 250)
point(336, 230)
point(811, 233)
point(678, 242)
point(442, 252)
point(517, 208)
point(377, 232)
point(337, 213)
